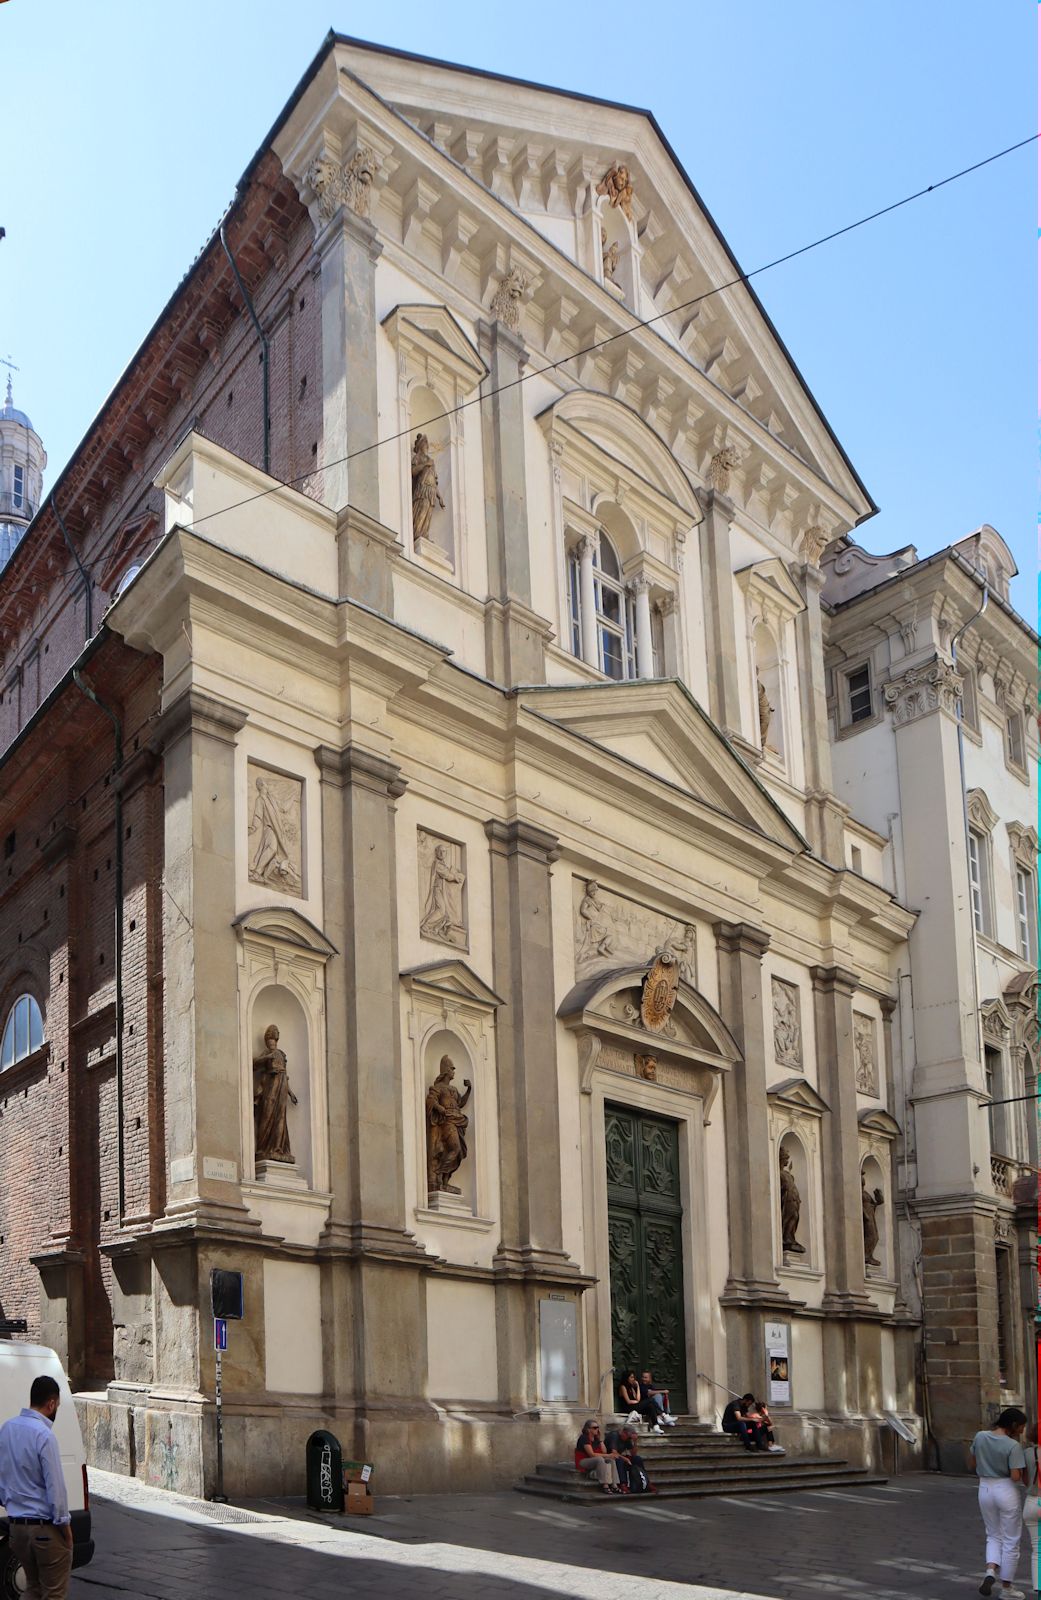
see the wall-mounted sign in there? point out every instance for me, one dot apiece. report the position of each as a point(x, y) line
point(779, 1376)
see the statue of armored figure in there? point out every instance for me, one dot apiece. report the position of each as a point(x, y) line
point(870, 1201)
point(446, 1129)
point(791, 1206)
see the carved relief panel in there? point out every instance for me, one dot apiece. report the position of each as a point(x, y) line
point(611, 931)
point(276, 843)
point(787, 1024)
point(442, 888)
point(865, 1053)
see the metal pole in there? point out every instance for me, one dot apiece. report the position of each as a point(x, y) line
point(220, 1495)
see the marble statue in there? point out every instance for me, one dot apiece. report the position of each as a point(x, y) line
point(791, 1206)
point(446, 1129)
point(596, 933)
point(617, 185)
point(870, 1202)
point(766, 710)
point(276, 821)
point(609, 255)
point(271, 1097)
point(439, 920)
point(425, 491)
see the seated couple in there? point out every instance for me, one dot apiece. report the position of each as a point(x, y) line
point(642, 1398)
point(614, 1461)
point(749, 1418)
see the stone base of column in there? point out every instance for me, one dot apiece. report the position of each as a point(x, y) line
point(373, 1239)
point(366, 554)
point(754, 1292)
point(851, 1305)
point(515, 640)
point(527, 1263)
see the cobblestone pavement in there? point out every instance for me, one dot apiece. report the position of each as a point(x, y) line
point(917, 1539)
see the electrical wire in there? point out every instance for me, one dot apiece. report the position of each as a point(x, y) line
point(635, 326)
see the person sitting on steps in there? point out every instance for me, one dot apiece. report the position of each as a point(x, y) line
point(759, 1413)
point(591, 1456)
point(621, 1443)
point(654, 1405)
point(629, 1396)
point(739, 1418)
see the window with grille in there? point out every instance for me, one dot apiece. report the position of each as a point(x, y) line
point(858, 687)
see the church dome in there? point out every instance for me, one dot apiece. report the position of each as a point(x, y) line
point(9, 411)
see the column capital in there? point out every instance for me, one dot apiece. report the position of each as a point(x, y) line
point(711, 500)
point(197, 712)
point(887, 1004)
point(355, 765)
point(522, 838)
point(834, 980)
point(639, 585)
point(586, 546)
point(495, 334)
point(741, 938)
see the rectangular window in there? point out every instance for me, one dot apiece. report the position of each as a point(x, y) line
point(977, 848)
point(992, 1085)
point(1025, 912)
point(970, 709)
point(1014, 739)
point(858, 685)
point(574, 603)
point(18, 487)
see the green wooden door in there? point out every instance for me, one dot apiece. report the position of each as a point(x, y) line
point(644, 1223)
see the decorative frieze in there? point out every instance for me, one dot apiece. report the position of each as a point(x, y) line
point(611, 930)
point(932, 686)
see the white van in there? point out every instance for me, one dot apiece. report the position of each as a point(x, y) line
point(19, 1365)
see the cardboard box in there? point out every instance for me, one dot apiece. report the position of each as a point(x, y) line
point(358, 1500)
point(357, 1472)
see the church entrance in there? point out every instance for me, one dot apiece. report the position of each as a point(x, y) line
point(644, 1221)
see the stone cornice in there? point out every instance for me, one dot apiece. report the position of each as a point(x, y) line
point(365, 768)
point(197, 712)
point(522, 838)
point(834, 980)
point(741, 938)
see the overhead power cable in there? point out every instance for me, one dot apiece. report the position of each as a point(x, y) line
point(647, 322)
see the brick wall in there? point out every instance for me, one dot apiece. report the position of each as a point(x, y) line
point(959, 1307)
point(59, 1171)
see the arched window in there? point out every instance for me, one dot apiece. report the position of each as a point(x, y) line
point(127, 579)
point(615, 623)
point(23, 1031)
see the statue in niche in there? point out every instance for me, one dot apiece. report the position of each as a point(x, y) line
point(440, 919)
point(597, 931)
point(617, 185)
point(787, 1033)
point(271, 1097)
point(791, 1206)
point(609, 256)
point(446, 1129)
point(766, 710)
point(723, 463)
point(276, 812)
point(870, 1202)
point(426, 494)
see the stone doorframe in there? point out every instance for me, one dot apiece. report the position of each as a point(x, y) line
point(674, 1074)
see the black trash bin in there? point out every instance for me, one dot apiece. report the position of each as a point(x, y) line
point(324, 1471)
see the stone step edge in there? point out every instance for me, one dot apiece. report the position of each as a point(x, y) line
point(594, 1498)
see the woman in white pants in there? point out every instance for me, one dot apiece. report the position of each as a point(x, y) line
point(997, 1459)
point(1031, 1508)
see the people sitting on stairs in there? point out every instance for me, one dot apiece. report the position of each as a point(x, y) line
point(654, 1405)
point(761, 1415)
point(629, 1395)
point(622, 1443)
point(740, 1417)
point(591, 1456)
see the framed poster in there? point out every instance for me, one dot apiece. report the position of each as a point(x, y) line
point(778, 1359)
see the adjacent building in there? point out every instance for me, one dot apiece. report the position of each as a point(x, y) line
point(933, 699)
point(428, 890)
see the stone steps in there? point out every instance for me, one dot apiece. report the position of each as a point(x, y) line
point(692, 1462)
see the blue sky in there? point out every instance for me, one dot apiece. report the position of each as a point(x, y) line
point(126, 127)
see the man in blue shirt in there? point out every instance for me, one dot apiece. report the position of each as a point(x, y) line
point(32, 1491)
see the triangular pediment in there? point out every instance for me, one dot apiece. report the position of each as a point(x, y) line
point(658, 727)
point(433, 330)
point(795, 1094)
point(454, 978)
point(878, 1122)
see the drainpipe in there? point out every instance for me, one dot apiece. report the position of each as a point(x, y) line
point(117, 727)
point(244, 292)
point(88, 586)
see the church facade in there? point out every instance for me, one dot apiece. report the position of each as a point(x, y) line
point(449, 916)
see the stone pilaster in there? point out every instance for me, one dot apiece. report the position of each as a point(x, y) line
point(741, 950)
point(201, 1050)
point(717, 578)
point(824, 812)
point(347, 249)
point(960, 1313)
point(515, 634)
point(845, 1292)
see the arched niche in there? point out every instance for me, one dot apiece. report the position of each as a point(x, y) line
point(769, 689)
point(801, 1167)
point(796, 1112)
point(281, 981)
point(446, 1044)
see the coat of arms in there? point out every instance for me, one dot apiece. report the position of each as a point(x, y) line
point(660, 987)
